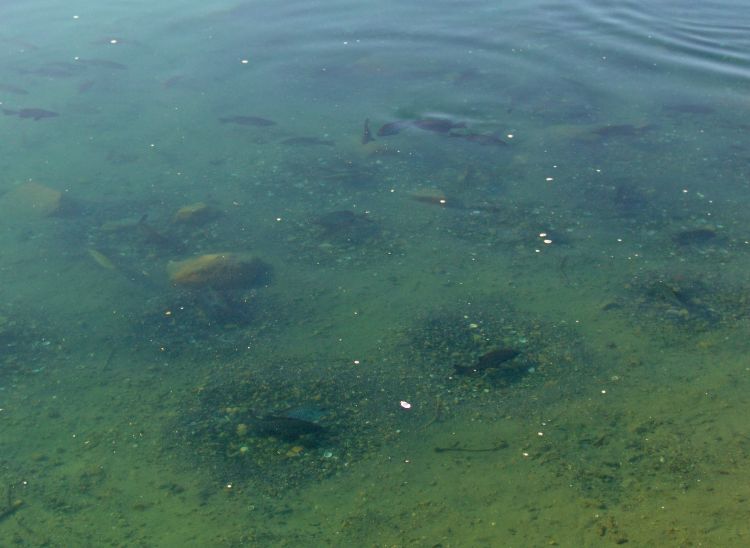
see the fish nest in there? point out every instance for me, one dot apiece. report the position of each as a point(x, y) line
point(676, 305)
point(450, 336)
point(222, 420)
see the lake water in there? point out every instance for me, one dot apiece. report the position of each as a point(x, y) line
point(449, 273)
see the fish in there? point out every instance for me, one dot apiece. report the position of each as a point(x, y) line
point(621, 130)
point(55, 69)
point(33, 113)
point(688, 108)
point(487, 139)
point(101, 259)
point(83, 87)
point(287, 428)
point(366, 135)
point(247, 121)
point(308, 141)
point(103, 63)
point(392, 128)
point(438, 125)
point(494, 359)
point(13, 89)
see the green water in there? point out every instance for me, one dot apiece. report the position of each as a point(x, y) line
point(552, 194)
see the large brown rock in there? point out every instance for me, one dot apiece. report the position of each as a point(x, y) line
point(219, 271)
point(32, 199)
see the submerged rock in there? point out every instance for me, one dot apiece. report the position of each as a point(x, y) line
point(32, 199)
point(195, 214)
point(219, 271)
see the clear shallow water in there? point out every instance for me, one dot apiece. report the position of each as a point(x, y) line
point(566, 181)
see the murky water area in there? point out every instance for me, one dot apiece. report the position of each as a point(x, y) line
point(452, 273)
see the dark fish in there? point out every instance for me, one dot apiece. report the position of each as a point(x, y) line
point(621, 130)
point(83, 87)
point(308, 141)
point(696, 236)
point(247, 121)
point(286, 427)
point(152, 236)
point(173, 81)
point(305, 412)
point(33, 113)
point(392, 128)
point(13, 89)
point(688, 108)
point(487, 139)
point(55, 69)
point(366, 135)
point(438, 125)
point(103, 63)
point(494, 359)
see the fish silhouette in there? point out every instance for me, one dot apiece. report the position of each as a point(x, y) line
point(33, 113)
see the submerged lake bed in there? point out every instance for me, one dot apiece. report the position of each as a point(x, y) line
point(374, 274)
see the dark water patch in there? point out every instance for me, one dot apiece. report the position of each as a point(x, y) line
point(346, 227)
